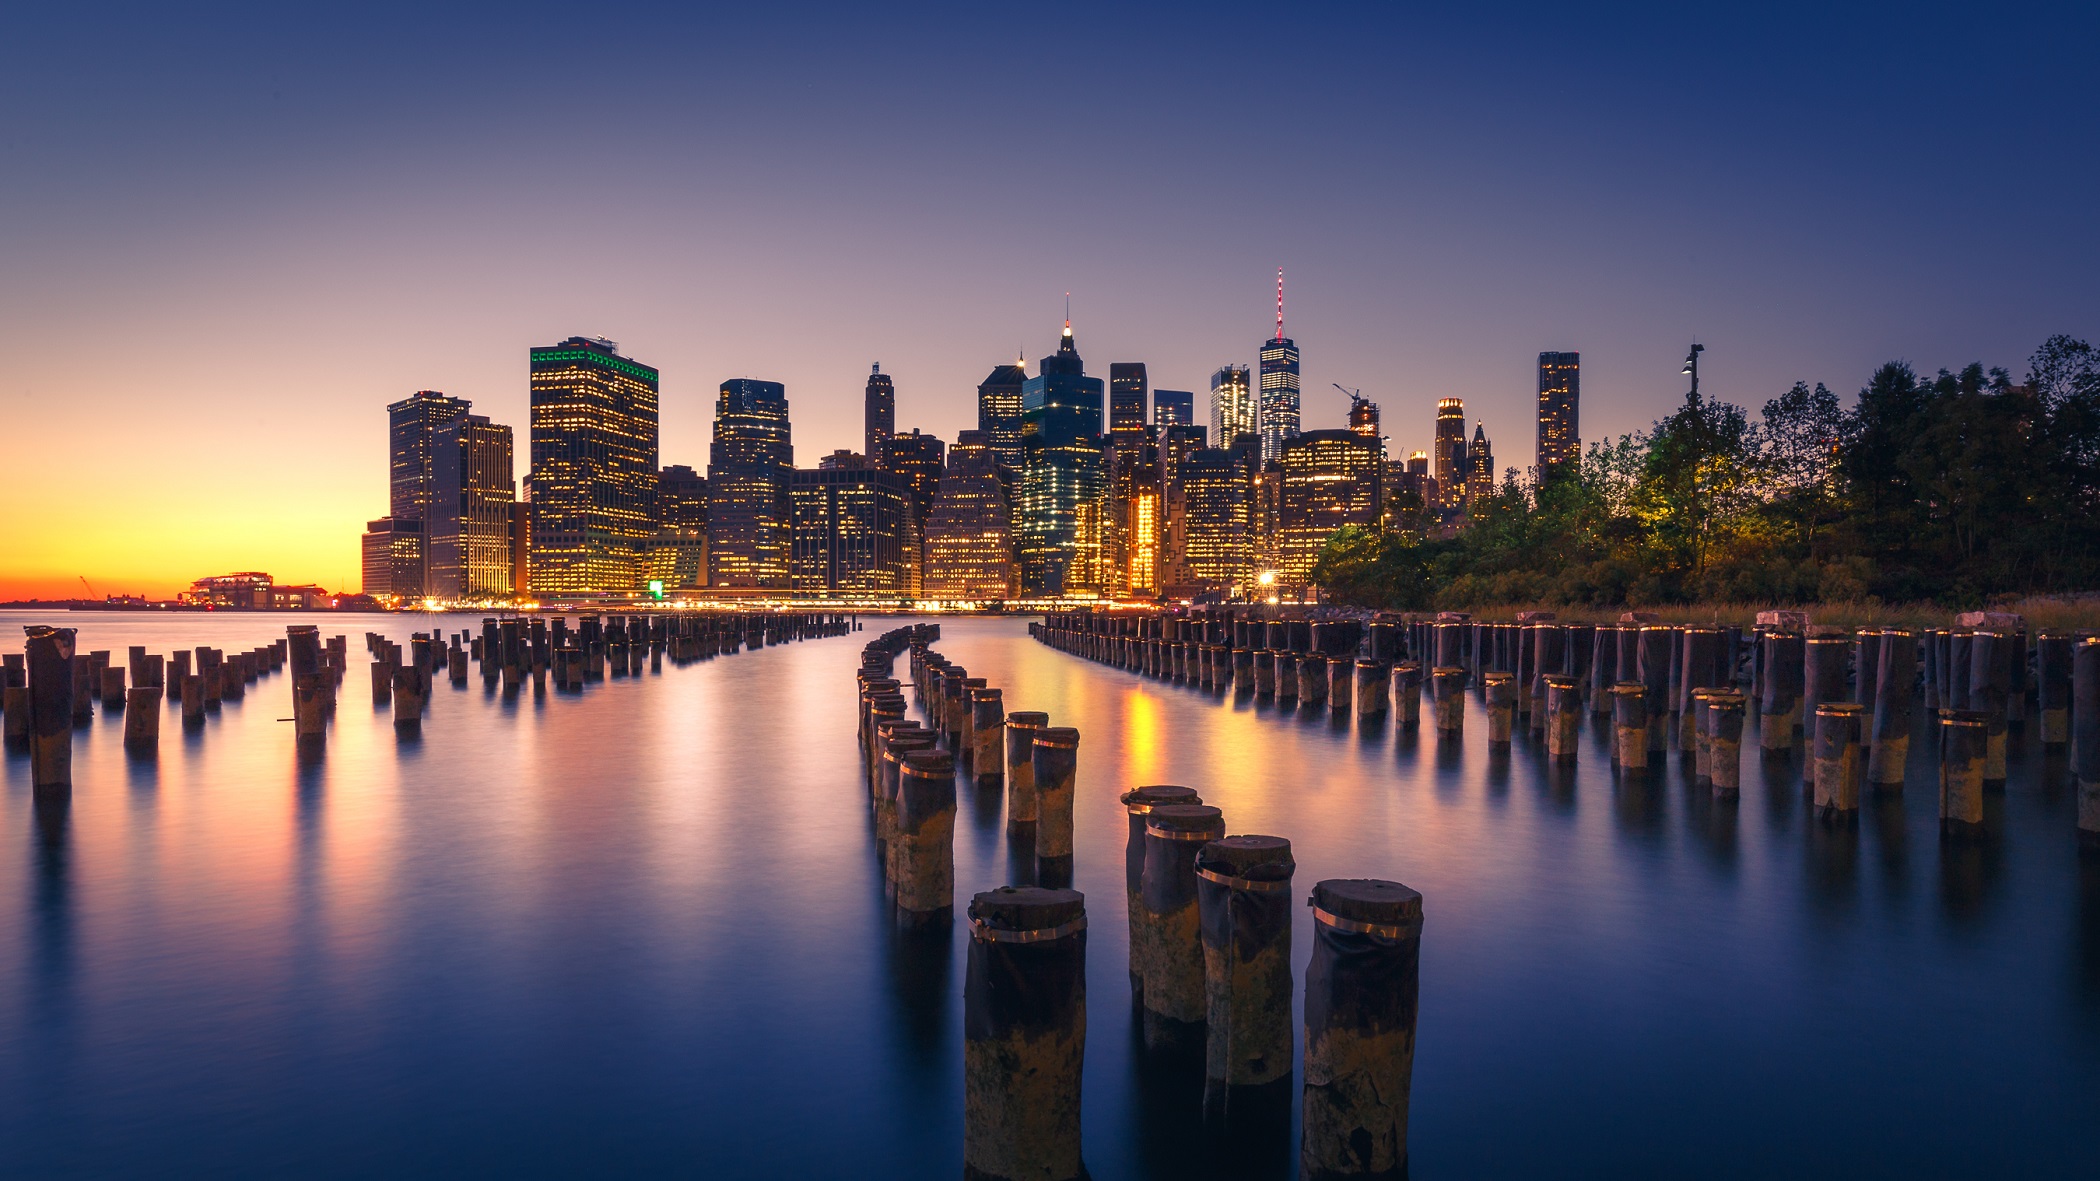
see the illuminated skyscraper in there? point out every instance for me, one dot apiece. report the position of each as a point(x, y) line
point(1363, 420)
point(1176, 444)
point(1450, 453)
point(678, 552)
point(1062, 501)
point(1173, 408)
point(1560, 404)
point(999, 417)
point(879, 412)
point(1329, 479)
point(969, 553)
point(1127, 388)
point(594, 468)
point(750, 464)
point(1135, 513)
point(852, 533)
point(1279, 385)
point(1218, 552)
point(1480, 468)
point(1231, 405)
point(681, 498)
point(451, 470)
point(916, 459)
point(392, 549)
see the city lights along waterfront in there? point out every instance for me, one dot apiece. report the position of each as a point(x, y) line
point(621, 892)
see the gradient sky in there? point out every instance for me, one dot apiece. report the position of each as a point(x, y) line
point(229, 236)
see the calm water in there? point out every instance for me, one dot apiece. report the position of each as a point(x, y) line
point(641, 931)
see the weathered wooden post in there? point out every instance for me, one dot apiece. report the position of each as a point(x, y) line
point(1630, 725)
point(1447, 691)
point(1362, 994)
point(1370, 688)
point(1500, 689)
point(193, 702)
point(1702, 747)
point(82, 671)
point(1056, 755)
point(1024, 1035)
point(1264, 673)
point(1138, 803)
point(2052, 667)
point(50, 657)
point(1699, 669)
point(923, 850)
point(897, 743)
point(1341, 677)
point(309, 689)
point(1783, 668)
point(1312, 679)
point(1243, 903)
point(408, 700)
point(1604, 668)
point(112, 688)
point(2085, 738)
point(142, 717)
point(1563, 713)
point(1724, 740)
point(1173, 966)
point(1892, 696)
point(987, 735)
point(1866, 664)
point(1990, 684)
point(1655, 676)
point(1406, 694)
point(1022, 726)
point(382, 682)
point(1836, 771)
point(1963, 737)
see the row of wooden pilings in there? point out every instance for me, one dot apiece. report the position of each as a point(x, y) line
point(51, 687)
point(1210, 939)
point(1663, 686)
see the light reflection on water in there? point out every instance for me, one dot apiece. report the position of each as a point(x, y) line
point(641, 930)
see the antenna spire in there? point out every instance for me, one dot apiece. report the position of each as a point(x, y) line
point(1068, 313)
point(1279, 303)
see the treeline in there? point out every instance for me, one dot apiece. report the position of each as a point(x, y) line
point(1951, 488)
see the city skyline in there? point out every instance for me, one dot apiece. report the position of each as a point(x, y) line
point(363, 187)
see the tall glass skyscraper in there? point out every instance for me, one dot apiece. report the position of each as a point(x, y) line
point(1231, 405)
point(1450, 450)
point(749, 467)
point(594, 468)
point(1061, 507)
point(999, 417)
point(879, 413)
point(1560, 404)
point(451, 471)
point(1279, 386)
point(1173, 408)
point(1127, 387)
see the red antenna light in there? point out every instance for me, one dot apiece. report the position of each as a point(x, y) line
point(1279, 303)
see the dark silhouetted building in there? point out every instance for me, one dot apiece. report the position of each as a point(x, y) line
point(1127, 390)
point(393, 558)
point(968, 550)
point(451, 470)
point(999, 417)
point(681, 498)
point(1560, 406)
point(1328, 480)
point(880, 412)
point(750, 464)
point(1173, 408)
point(852, 533)
point(594, 468)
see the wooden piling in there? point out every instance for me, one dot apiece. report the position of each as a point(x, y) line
point(2085, 737)
point(1964, 735)
point(1024, 1035)
point(923, 851)
point(1725, 710)
point(1243, 903)
point(1500, 689)
point(1630, 725)
point(1563, 713)
point(1836, 770)
point(1056, 755)
point(50, 657)
point(1138, 804)
point(1362, 994)
point(1174, 999)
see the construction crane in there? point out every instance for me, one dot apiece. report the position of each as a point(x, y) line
point(90, 586)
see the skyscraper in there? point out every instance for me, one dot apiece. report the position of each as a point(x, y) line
point(1173, 408)
point(1062, 498)
point(1135, 513)
point(969, 555)
point(1560, 404)
point(1218, 552)
point(681, 498)
point(999, 417)
point(1450, 452)
point(1363, 420)
point(451, 470)
point(916, 459)
point(1231, 405)
point(678, 553)
point(1480, 468)
point(1176, 444)
point(392, 552)
point(1329, 479)
point(1279, 385)
point(749, 513)
point(852, 532)
point(594, 421)
point(880, 411)
point(1127, 387)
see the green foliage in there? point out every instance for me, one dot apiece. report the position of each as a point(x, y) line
point(1955, 488)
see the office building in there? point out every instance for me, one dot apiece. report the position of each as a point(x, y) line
point(999, 417)
point(1450, 453)
point(750, 463)
point(1136, 517)
point(1061, 502)
point(1480, 469)
point(1176, 443)
point(1363, 420)
point(392, 549)
point(968, 549)
point(1232, 411)
point(1217, 544)
point(594, 468)
point(451, 470)
point(1127, 390)
point(1279, 393)
point(852, 533)
point(917, 459)
point(1173, 408)
point(1328, 480)
point(1560, 405)
point(879, 411)
point(681, 498)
